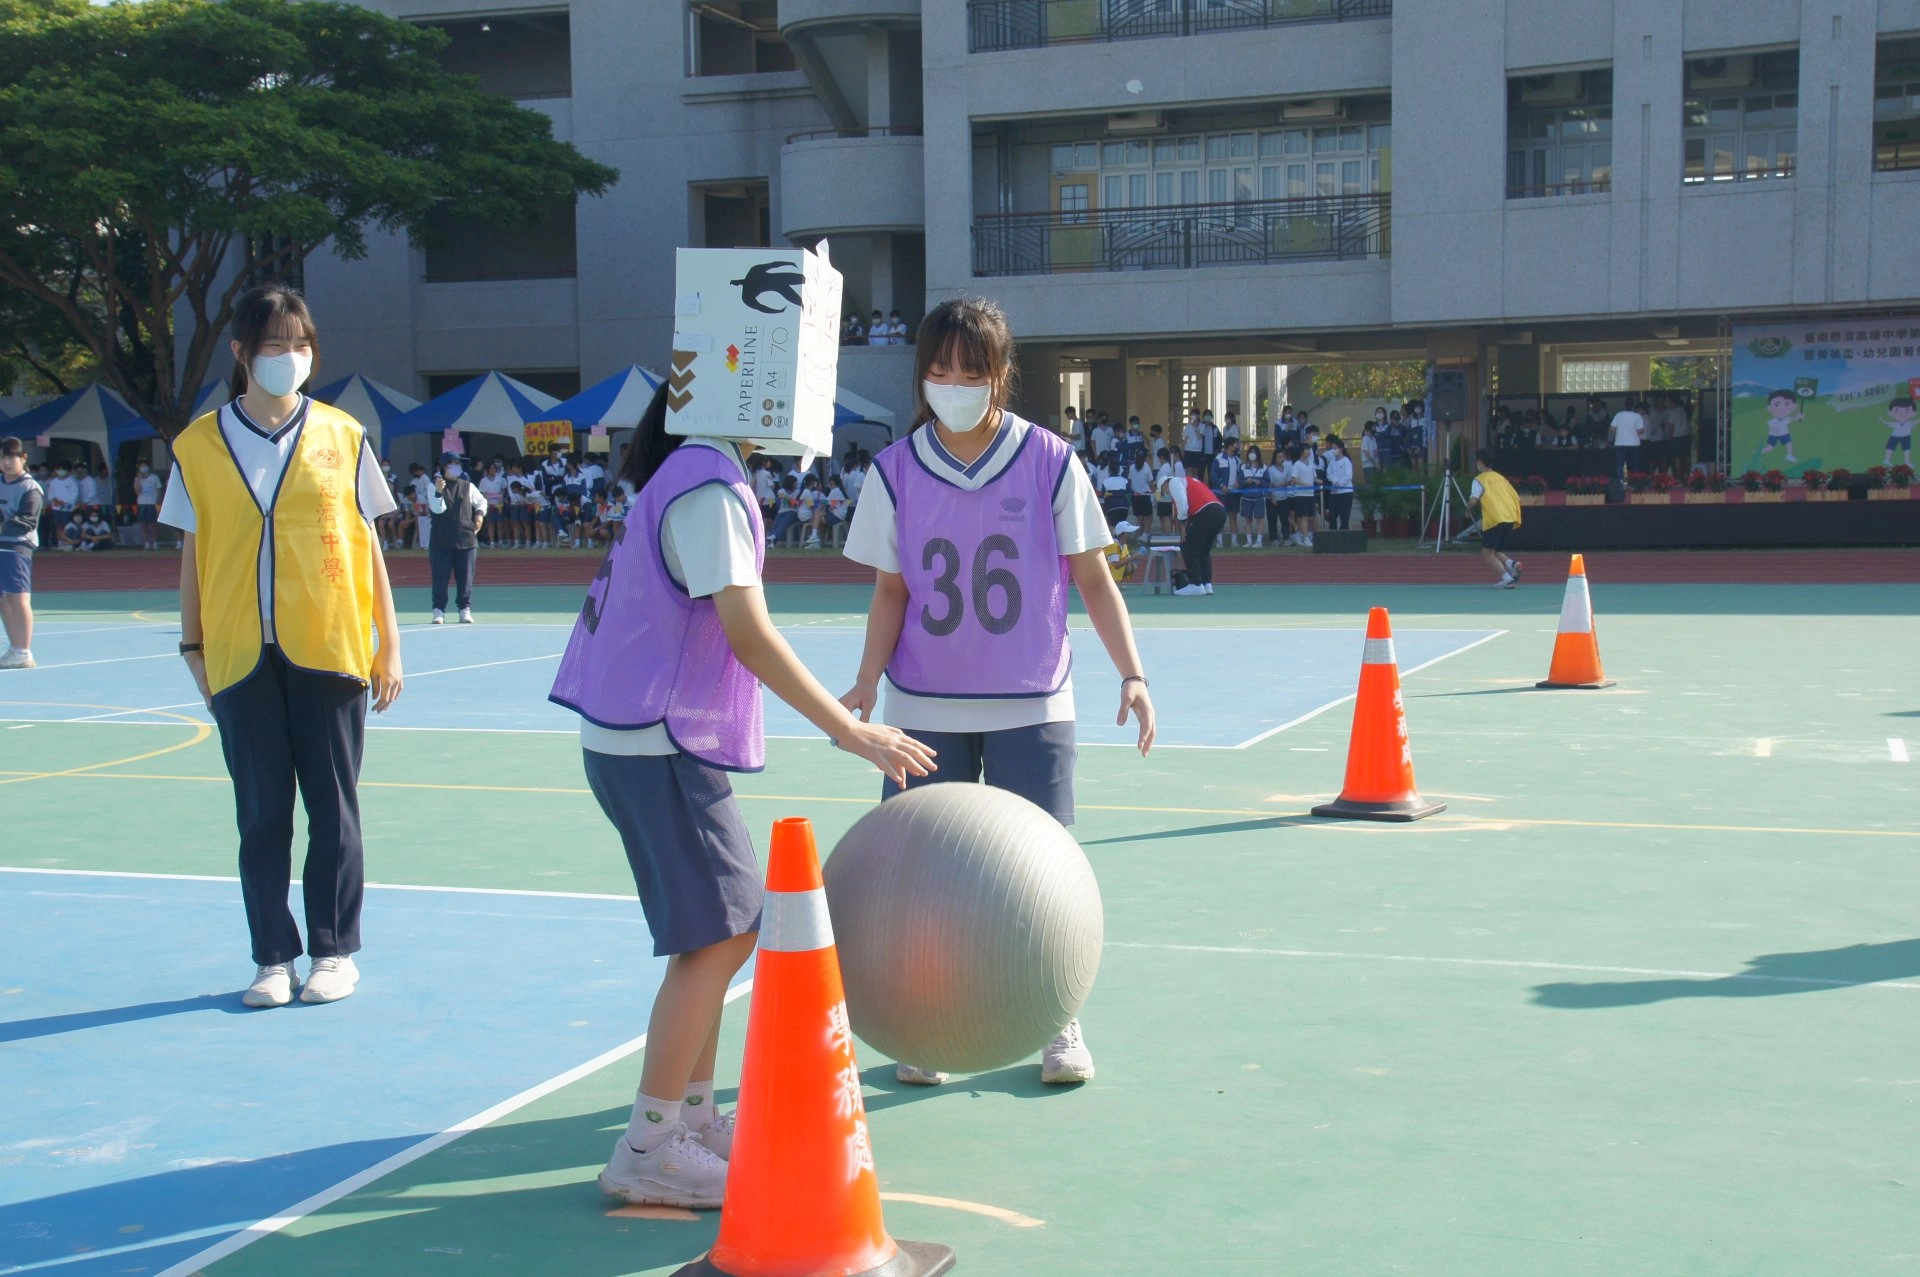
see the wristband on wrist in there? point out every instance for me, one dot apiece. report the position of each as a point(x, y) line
point(1135, 678)
point(191, 647)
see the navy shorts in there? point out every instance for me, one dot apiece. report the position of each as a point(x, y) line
point(1903, 442)
point(686, 843)
point(1034, 762)
point(149, 514)
point(16, 572)
point(1495, 537)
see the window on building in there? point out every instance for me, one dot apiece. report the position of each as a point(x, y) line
point(733, 215)
point(526, 55)
point(736, 37)
point(1595, 376)
point(1559, 133)
point(1896, 105)
point(1741, 117)
point(461, 249)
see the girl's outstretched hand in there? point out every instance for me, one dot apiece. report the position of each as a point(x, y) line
point(1134, 700)
point(894, 752)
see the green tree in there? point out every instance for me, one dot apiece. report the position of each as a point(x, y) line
point(158, 158)
point(1684, 372)
point(1394, 379)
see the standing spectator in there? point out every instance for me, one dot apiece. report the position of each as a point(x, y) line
point(1499, 516)
point(420, 490)
point(89, 487)
point(21, 502)
point(1166, 470)
point(63, 499)
point(1370, 449)
point(1339, 484)
point(1204, 515)
point(1224, 477)
point(1133, 443)
point(146, 501)
point(594, 476)
point(1192, 438)
point(896, 329)
point(1140, 489)
point(1625, 431)
point(1102, 438)
point(1230, 433)
point(1253, 500)
point(763, 486)
point(459, 512)
point(851, 332)
point(855, 480)
point(1284, 431)
point(281, 590)
point(1209, 441)
point(877, 334)
point(1301, 480)
point(813, 510)
point(1593, 428)
point(1420, 437)
point(1653, 436)
point(1070, 427)
point(1673, 414)
point(493, 486)
point(1273, 477)
point(539, 512)
point(1393, 443)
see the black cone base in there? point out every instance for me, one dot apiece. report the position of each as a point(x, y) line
point(1415, 808)
point(915, 1259)
point(1575, 687)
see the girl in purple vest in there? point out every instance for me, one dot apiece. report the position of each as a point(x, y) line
point(665, 668)
point(975, 525)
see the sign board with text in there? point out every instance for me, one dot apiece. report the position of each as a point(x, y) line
point(543, 437)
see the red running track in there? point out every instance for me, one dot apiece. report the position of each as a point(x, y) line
point(54, 572)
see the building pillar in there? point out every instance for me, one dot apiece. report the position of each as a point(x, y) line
point(879, 78)
point(1040, 395)
point(1109, 379)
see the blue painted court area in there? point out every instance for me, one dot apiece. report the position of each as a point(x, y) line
point(147, 1113)
point(495, 677)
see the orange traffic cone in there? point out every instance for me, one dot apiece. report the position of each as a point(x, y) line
point(802, 1197)
point(1576, 651)
point(1379, 755)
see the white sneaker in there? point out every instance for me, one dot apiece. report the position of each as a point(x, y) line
point(914, 1075)
point(1514, 571)
point(679, 1171)
point(717, 1135)
point(15, 659)
point(1208, 589)
point(1066, 1059)
point(1190, 591)
point(330, 979)
point(466, 616)
point(439, 616)
point(272, 986)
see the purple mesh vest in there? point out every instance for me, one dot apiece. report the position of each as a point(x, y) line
point(986, 586)
point(643, 652)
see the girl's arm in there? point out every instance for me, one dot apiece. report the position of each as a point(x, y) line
point(884, 620)
point(760, 647)
point(190, 628)
point(1108, 612)
point(387, 680)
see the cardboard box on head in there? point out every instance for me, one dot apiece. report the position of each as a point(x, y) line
point(756, 347)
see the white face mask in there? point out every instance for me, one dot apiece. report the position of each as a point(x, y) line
point(281, 375)
point(958, 407)
point(454, 472)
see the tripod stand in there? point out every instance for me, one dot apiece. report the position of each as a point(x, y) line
point(1440, 519)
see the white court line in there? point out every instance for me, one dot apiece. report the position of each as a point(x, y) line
point(111, 660)
point(383, 886)
point(102, 629)
point(1312, 714)
point(1526, 966)
point(151, 709)
point(484, 665)
point(1763, 747)
point(1897, 749)
point(353, 1183)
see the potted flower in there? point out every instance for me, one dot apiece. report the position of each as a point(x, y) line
point(1767, 486)
point(1900, 480)
point(1666, 486)
point(1840, 484)
point(1640, 489)
point(1877, 483)
point(1532, 490)
point(1703, 487)
point(1816, 483)
point(1586, 489)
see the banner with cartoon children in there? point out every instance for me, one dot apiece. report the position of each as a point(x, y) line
point(1825, 394)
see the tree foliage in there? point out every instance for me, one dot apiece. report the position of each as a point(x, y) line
point(157, 158)
point(1684, 372)
point(1394, 379)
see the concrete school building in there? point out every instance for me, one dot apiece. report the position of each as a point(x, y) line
point(1176, 200)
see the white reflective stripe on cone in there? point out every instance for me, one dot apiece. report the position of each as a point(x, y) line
point(1379, 652)
point(1576, 610)
point(795, 921)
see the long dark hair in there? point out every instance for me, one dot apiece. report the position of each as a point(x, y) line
point(255, 316)
point(650, 445)
point(972, 333)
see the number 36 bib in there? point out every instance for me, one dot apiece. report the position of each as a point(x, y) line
point(986, 585)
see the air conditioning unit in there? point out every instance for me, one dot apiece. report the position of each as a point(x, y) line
point(1314, 109)
point(1734, 72)
point(1137, 122)
point(1550, 90)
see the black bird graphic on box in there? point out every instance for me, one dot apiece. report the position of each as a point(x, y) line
point(770, 277)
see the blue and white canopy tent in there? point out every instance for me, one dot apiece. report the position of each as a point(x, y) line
point(373, 404)
point(492, 403)
point(616, 405)
point(212, 395)
point(87, 416)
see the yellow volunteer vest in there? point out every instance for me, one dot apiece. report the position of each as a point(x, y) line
point(322, 564)
point(1499, 503)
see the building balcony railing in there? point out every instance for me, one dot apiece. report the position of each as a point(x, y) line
point(1592, 186)
point(1183, 236)
point(1032, 24)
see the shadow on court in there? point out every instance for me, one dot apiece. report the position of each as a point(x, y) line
point(1022, 1081)
point(1770, 975)
point(48, 1026)
point(1200, 831)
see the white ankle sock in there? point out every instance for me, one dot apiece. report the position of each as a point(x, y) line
point(697, 1109)
point(652, 1121)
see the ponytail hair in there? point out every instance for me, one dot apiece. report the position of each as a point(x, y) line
point(650, 445)
point(256, 316)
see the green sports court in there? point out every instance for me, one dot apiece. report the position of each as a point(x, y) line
point(1642, 1000)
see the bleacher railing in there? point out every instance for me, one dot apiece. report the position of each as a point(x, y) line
point(1183, 236)
point(1030, 24)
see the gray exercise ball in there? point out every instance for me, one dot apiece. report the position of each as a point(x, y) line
point(968, 923)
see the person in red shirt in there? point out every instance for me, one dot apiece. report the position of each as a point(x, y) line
point(1205, 515)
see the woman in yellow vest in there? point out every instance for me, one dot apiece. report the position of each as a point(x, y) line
point(281, 588)
point(1499, 516)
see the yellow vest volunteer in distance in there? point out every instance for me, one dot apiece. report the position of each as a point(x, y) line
point(1499, 503)
point(321, 564)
